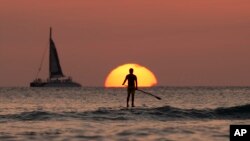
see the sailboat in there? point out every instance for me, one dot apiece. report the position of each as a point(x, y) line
point(56, 76)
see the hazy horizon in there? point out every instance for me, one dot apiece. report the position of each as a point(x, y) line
point(184, 43)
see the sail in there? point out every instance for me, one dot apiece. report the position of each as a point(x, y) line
point(54, 64)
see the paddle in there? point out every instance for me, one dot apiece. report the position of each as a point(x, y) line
point(157, 97)
point(149, 94)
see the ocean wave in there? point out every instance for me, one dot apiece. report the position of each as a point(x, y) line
point(160, 113)
point(237, 112)
point(33, 115)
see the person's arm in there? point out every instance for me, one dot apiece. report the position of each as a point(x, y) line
point(125, 80)
point(136, 85)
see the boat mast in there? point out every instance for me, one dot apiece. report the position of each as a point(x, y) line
point(50, 33)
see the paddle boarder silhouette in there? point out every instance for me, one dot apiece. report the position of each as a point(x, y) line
point(132, 86)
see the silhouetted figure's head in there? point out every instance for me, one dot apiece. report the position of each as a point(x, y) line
point(131, 71)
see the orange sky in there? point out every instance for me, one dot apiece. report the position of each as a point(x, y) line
point(194, 42)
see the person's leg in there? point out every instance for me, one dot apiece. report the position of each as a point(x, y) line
point(128, 98)
point(133, 96)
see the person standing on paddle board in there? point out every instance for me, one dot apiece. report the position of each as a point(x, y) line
point(132, 86)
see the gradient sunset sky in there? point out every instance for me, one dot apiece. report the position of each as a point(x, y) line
point(183, 42)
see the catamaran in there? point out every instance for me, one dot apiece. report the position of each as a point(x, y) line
point(56, 76)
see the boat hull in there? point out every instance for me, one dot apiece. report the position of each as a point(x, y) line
point(54, 84)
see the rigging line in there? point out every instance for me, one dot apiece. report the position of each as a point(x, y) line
point(41, 63)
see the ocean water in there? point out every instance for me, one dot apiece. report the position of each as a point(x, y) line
point(65, 114)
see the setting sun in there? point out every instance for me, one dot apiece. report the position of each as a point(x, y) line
point(145, 77)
